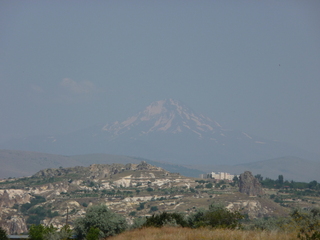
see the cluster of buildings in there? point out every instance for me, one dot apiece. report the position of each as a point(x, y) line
point(219, 176)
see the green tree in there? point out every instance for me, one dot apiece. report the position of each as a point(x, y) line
point(93, 234)
point(3, 234)
point(40, 232)
point(209, 185)
point(162, 219)
point(259, 177)
point(217, 217)
point(153, 209)
point(149, 189)
point(280, 179)
point(102, 218)
point(138, 222)
point(141, 206)
point(313, 184)
point(195, 218)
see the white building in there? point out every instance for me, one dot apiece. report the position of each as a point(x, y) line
point(221, 176)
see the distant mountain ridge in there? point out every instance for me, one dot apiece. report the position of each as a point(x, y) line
point(292, 168)
point(168, 131)
point(23, 163)
point(16, 163)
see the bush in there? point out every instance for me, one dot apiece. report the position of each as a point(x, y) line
point(37, 199)
point(268, 224)
point(138, 222)
point(141, 206)
point(93, 234)
point(132, 214)
point(34, 219)
point(40, 232)
point(195, 218)
point(163, 219)
point(216, 217)
point(101, 217)
point(153, 209)
point(3, 234)
point(308, 222)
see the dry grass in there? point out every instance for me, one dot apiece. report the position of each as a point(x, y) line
point(191, 234)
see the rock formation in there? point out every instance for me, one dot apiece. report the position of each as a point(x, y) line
point(249, 185)
point(14, 224)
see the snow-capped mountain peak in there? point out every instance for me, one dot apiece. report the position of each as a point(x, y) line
point(165, 115)
point(165, 130)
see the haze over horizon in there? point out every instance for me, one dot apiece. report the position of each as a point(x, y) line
point(250, 66)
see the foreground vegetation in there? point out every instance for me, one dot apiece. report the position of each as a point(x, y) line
point(99, 203)
point(178, 233)
point(216, 222)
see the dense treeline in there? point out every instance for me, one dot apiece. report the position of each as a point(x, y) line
point(280, 183)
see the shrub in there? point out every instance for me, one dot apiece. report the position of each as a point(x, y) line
point(216, 217)
point(153, 209)
point(93, 234)
point(101, 217)
point(34, 220)
point(163, 219)
point(141, 206)
point(40, 232)
point(3, 234)
point(308, 222)
point(268, 224)
point(138, 222)
point(149, 189)
point(133, 213)
point(195, 218)
point(37, 199)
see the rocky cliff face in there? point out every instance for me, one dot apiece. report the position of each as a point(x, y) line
point(10, 197)
point(14, 224)
point(249, 185)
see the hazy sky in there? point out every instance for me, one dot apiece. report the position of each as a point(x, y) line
point(250, 65)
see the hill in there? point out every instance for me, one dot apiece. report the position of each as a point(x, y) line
point(133, 190)
point(24, 163)
point(15, 163)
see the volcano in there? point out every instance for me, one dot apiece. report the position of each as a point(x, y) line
point(166, 130)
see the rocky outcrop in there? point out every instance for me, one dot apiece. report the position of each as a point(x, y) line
point(14, 224)
point(249, 185)
point(145, 166)
point(253, 208)
point(10, 197)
